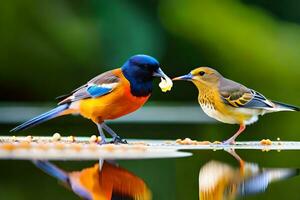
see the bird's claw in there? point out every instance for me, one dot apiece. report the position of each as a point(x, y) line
point(103, 142)
point(118, 140)
point(228, 142)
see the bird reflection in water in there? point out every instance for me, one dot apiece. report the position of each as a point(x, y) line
point(103, 181)
point(219, 180)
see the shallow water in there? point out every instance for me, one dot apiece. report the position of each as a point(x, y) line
point(166, 178)
point(261, 175)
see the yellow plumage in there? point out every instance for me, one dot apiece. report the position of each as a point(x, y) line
point(230, 102)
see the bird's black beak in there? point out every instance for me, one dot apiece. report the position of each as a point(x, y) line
point(166, 83)
point(187, 77)
point(159, 73)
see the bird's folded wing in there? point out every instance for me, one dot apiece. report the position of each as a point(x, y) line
point(98, 86)
point(237, 95)
point(259, 182)
point(256, 184)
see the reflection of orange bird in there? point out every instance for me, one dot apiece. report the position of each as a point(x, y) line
point(100, 183)
point(231, 102)
point(220, 181)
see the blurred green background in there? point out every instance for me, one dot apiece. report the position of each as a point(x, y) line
point(48, 48)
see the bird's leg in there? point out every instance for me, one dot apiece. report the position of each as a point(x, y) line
point(101, 162)
point(101, 133)
point(232, 152)
point(238, 158)
point(232, 139)
point(116, 138)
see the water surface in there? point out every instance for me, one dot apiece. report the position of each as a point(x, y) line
point(163, 178)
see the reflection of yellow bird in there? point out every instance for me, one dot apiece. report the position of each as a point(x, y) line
point(230, 102)
point(100, 183)
point(220, 181)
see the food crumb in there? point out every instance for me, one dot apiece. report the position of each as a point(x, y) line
point(203, 142)
point(139, 143)
point(56, 137)
point(29, 138)
point(14, 138)
point(266, 142)
point(71, 138)
point(178, 141)
point(93, 139)
point(188, 141)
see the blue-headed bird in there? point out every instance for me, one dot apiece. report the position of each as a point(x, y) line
point(230, 102)
point(108, 96)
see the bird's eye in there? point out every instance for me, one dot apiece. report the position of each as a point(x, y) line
point(146, 65)
point(201, 73)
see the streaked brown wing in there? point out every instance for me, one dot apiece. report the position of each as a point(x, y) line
point(237, 95)
point(237, 99)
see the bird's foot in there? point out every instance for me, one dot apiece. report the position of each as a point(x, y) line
point(101, 142)
point(229, 142)
point(118, 140)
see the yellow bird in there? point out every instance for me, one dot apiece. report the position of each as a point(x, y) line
point(230, 102)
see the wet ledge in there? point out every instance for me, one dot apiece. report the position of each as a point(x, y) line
point(82, 148)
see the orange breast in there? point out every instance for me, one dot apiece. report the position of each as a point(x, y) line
point(113, 105)
point(101, 184)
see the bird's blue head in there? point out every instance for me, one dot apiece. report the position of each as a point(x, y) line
point(140, 71)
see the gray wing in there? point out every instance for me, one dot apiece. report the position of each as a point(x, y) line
point(260, 182)
point(237, 95)
point(98, 86)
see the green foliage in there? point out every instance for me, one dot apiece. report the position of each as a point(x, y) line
point(244, 42)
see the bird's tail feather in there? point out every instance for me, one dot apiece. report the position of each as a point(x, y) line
point(42, 118)
point(52, 170)
point(285, 107)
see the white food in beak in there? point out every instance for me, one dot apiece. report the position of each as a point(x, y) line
point(165, 84)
